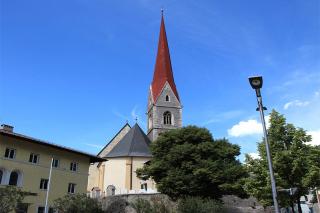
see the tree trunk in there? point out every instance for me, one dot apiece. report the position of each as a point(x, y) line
point(299, 205)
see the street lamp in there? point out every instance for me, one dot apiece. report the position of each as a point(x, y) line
point(256, 84)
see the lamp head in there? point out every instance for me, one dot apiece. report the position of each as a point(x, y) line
point(256, 82)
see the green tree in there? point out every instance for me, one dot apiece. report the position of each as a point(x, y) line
point(295, 164)
point(188, 162)
point(77, 203)
point(10, 197)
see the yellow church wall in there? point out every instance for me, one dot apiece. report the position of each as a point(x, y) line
point(138, 162)
point(32, 173)
point(115, 174)
point(94, 176)
point(97, 171)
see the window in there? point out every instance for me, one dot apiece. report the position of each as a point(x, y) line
point(55, 163)
point(167, 98)
point(1, 174)
point(167, 118)
point(34, 158)
point(21, 208)
point(44, 183)
point(41, 210)
point(71, 188)
point(10, 153)
point(73, 166)
point(150, 121)
point(13, 181)
point(144, 186)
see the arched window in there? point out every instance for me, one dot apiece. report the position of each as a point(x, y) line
point(13, 181)
point(167, 98)
point(167, 118)
point(1, 175)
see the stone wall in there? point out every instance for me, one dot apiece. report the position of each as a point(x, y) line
point(156, 110)
point(232, 204)
point(120, 203)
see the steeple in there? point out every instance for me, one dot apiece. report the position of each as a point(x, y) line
point(163, 69)
point(164, 107)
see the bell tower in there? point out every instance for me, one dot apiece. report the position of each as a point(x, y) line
point(164, 109)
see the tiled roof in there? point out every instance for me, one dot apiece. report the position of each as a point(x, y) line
point(163, 69)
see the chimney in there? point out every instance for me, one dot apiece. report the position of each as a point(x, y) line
point(7, 128)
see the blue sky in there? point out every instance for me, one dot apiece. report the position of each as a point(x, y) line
point(72, 72)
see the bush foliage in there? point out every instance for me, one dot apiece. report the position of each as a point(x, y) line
point(77, 203)
point(199, 205)
point(184, 205)
point(158, 204)
point(10, 197)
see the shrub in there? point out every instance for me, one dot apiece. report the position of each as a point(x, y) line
point(10, 197)
point(77, 203)
point(199, 205)
point(161, 204)
point(157, 204)
point(117, 206)
point(142, 206)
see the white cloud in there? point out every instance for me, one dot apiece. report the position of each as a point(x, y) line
point(134, 113)
point(248, 127)
point(243, 128)
point(120, 115)
point(297, 103)
point(254, 155)
point(315, 137)
point(136, 116)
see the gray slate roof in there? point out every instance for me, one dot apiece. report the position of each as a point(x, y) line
point(134, 144)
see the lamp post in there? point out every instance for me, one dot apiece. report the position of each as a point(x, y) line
point(256, 84)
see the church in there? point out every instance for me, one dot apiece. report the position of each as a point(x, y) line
point(129, 149)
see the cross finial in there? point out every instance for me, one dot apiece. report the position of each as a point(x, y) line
point(136, 119)
point(162, 11)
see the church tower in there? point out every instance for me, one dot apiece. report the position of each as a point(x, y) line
point(164, 109)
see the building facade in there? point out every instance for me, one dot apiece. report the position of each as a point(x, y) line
point(25, 163)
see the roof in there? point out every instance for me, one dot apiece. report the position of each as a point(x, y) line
point(93, 158)
point(134, 144)
point(163, 69)
point(113, 138)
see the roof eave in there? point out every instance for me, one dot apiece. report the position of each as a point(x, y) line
point(44, 143)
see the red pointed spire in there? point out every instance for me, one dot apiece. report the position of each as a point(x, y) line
point(163, 70)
